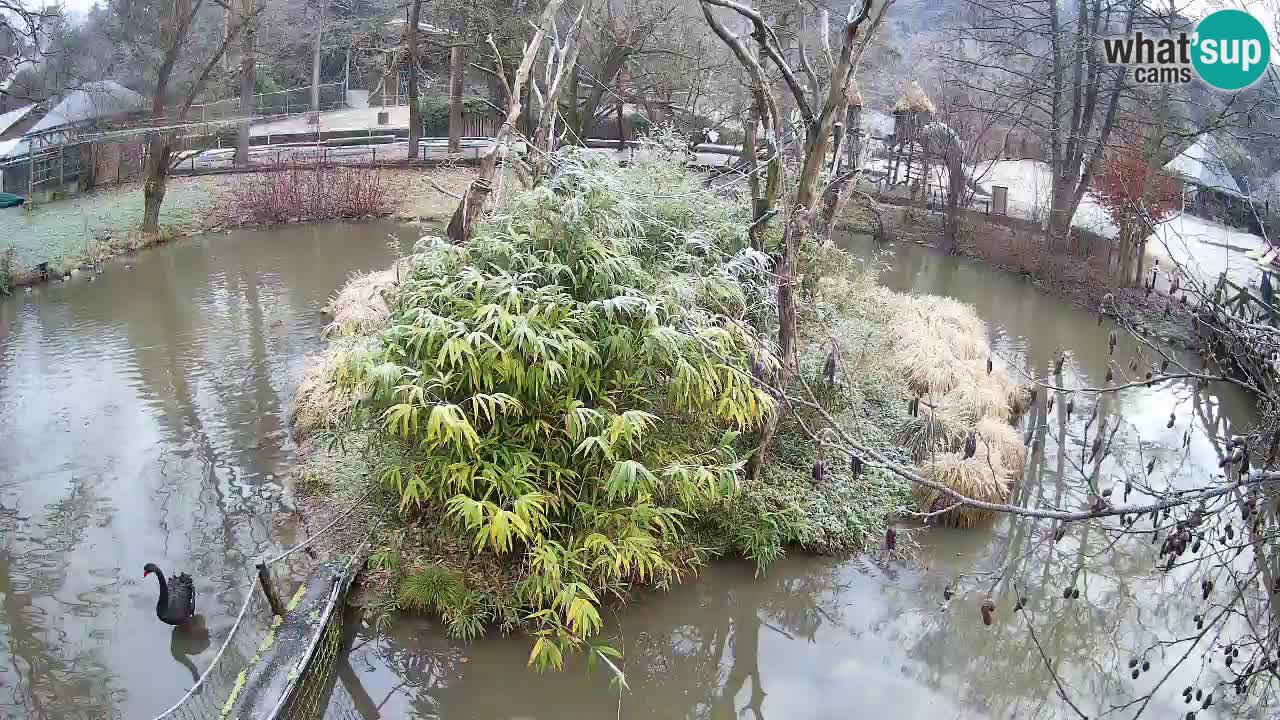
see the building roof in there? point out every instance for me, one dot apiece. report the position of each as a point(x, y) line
point(1201, 164)
point(11, 118)
point(92, 101)
point(423, 27)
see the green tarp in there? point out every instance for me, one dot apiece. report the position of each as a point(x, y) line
point(8, 201)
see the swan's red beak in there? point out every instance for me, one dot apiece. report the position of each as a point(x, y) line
point(146, 573)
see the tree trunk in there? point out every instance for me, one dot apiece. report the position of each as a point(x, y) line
point(455, 98)
point(798, 229)
point(315, 60)
point(560, 63)
point(248, 81)
point(573, 116)
point(415, 113)
point(156, 171)
point(468, 210)
point(622, 127)
point(752, 164)
point(614, 63)
point(808, 194)
point(1129, 263)
point(154, 183)
point(1073, 167)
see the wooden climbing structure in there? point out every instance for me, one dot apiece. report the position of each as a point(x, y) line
point(907, 162)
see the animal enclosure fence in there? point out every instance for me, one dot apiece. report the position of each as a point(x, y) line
point(279, 102)
point(277, 660)
point(50, 169)
point(474, 124)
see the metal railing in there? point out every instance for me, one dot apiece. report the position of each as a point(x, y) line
point(279, 102)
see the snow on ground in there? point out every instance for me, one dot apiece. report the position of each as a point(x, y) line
point(1202, 246)
point(1209, 248)
point(1029, 186)
point(431, 149)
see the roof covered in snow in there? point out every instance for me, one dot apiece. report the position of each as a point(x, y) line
point(93, 101)
point(11, 118)
point(423, 27)
point(1201, 164)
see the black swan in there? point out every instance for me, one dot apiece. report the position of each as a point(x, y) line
point(177, 606)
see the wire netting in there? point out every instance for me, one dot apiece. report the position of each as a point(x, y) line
point(284, 666)
point(210, 695)
point(316, 679)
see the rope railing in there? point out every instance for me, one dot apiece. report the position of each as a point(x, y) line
point(196, 702)
point(178, 708)
point(322, 531)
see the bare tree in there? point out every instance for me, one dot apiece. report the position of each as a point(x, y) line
point(248, 76)
point(1042, 61)
point(457, 66)
point(167, 36)
point(317, 46)
point(608, 48)
point(818, 122)
point(477, 193)
point(562, 59)
point(24, 37)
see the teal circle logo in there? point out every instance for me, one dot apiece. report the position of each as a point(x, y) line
point(1232, 49)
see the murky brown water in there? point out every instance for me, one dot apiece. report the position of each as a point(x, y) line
point(142, 419)
point(860, 637)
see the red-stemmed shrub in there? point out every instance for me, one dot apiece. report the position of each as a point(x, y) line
point(298, 192)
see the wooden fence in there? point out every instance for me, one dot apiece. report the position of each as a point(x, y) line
point(1241, 303)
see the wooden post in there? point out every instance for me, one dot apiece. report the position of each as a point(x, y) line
point(268, 589)
point(31, 173)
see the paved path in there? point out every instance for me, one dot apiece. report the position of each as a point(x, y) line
point(365, 118)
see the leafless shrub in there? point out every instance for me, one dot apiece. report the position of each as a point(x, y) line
point(295, 192)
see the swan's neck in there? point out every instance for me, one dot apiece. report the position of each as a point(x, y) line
point(163, 602)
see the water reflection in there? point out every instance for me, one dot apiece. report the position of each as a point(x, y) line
point(142, 413)
point(838, 638)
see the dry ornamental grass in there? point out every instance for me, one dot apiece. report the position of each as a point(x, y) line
point(940, 346)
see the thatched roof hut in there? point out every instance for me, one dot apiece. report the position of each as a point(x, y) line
point(914, 100)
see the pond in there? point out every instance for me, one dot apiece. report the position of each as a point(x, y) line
point(143, 418)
